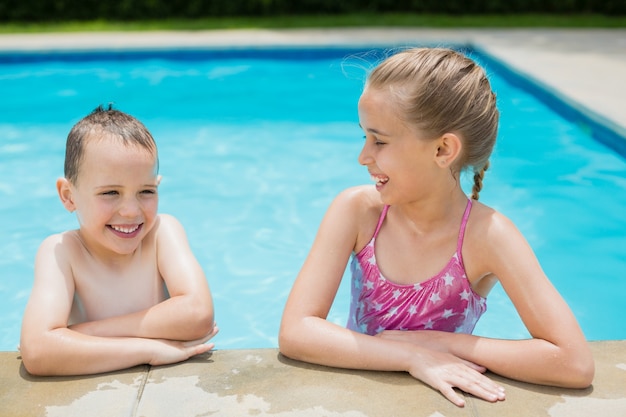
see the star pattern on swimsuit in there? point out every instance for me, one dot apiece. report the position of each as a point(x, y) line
point(447, 313)
point(444, 302)
point(392, 312)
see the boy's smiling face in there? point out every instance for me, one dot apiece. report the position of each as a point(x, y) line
point(115, 196)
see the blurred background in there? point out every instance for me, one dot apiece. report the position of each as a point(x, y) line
point(69, 15)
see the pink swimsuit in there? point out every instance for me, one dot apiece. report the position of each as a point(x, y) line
point(444, 302)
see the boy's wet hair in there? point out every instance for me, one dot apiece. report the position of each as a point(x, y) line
point(99, 123)
point(438, 91)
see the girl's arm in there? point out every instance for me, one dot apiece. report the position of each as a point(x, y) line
point(187, 314)
point(48, 347)
point(557, 354)
point(306, 335)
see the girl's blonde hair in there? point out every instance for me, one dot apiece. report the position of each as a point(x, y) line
point(440, 91)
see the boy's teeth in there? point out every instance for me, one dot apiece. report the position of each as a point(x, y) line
point(125, 229)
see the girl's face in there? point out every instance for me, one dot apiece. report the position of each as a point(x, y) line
point(115, 196)
point(399, 159)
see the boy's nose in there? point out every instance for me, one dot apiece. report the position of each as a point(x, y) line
point(130, 208)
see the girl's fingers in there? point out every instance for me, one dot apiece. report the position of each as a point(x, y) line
point(453, 396)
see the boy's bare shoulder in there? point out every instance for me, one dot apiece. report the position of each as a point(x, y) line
point(166, 225)
point(164, 218)
point(63, 249)
point(65, 240)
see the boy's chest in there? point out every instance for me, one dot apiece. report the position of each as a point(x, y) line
point(102, 292)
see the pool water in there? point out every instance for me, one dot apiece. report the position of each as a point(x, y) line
point(254, 144)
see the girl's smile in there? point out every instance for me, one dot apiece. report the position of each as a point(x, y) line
point(379, 180)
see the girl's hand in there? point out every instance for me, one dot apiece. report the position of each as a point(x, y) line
point(173, 351)
point(445, 372)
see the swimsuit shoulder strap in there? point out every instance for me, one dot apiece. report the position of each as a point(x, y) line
point(381, 219)
point(466, 214)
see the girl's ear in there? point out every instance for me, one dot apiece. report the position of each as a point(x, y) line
point(448, 150)
point(64, 188)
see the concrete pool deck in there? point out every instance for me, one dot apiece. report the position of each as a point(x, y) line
point(584, 67)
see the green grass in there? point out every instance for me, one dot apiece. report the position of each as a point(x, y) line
point(328, 21)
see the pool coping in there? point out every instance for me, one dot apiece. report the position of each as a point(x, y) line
point(261, 382)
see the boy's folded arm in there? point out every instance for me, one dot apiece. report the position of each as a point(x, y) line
point(181, 318)
point(63, 351)
point(188, 314)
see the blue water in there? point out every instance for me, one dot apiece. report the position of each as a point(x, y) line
point(253, 147)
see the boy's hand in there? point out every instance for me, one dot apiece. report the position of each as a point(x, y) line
point(173, 351)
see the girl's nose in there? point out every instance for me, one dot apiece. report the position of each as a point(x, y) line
point(364, 156)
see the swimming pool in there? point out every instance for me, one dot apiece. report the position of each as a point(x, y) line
point(254, 144)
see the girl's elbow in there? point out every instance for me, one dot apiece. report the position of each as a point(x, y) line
point(288, 343)
point(578, 372)
point(583, 372)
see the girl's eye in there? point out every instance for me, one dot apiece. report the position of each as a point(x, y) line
point(376, 141)
point(112, 192)
point(149, 192)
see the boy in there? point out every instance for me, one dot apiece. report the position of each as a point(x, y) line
point(124, 289)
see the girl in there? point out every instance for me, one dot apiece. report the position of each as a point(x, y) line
point(424, 256)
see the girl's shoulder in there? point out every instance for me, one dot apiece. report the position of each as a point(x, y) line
point(362, 206)
point(362, 201)
point(486, 220)
point(491, 233)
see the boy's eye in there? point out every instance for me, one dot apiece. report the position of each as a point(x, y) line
point(112, 192)
point(148, 192)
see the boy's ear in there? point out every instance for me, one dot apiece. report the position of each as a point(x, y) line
point(158, 180)
point(448, 149)
point(64, 188)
